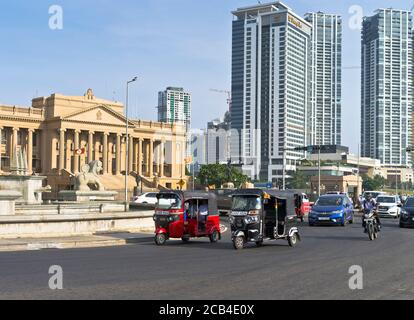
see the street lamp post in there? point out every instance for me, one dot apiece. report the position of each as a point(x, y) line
point(319, 171)
point(127, 143)
point(284, 168)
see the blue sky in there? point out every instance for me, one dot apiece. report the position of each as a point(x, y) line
point(165, 42)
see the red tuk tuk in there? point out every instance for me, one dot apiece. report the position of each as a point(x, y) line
point(185, 215)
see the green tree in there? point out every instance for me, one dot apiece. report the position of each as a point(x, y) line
point(372, 184)
point(218, 174)
point(299, 180)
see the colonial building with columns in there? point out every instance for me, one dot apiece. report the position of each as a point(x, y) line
point(61, 134)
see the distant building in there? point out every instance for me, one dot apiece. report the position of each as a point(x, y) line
point(326, 78)
point(174, 106)
point(198, 148)
point(270, 88)
point(218, 141)
point(387, 86)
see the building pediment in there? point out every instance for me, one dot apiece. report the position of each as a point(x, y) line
point(98, 114)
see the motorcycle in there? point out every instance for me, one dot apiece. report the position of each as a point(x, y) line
point(371, 225)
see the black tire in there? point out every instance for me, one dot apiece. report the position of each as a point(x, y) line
point(401, 226)
point(352, 220)
point(185, 239)
point(293, 240)
point(311, 224)
point(215, 237)
point(370, 228)
point(238, 243)
point(259, 243)
point(160, 239)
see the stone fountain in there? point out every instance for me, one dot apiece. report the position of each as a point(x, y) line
point(30, 187)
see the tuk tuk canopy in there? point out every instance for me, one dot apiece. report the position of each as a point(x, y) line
point(196, 195)
point(279, 195)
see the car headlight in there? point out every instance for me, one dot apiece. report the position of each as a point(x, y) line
point(338, 212)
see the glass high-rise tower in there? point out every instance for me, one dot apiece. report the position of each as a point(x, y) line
point(326, 79)
point(174, 106)
point(270, 89)
point(387, 81)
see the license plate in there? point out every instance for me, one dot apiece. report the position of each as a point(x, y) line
point(324, 219)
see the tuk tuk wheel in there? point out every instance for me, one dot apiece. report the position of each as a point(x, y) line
point(214, 237)
point(293, 240)
point(238, 243)
point(185, 239)
point(259, 243)
point(160, 239)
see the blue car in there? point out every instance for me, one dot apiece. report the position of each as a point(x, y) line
point(332, 210)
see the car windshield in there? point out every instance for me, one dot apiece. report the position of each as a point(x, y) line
point(329, 201)
point(246, 203)
point(386, 200)
point(374, 195)
point(409, 203)
point(169, 201)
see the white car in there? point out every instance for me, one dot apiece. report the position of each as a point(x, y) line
point(389, 206)
point(146, 198)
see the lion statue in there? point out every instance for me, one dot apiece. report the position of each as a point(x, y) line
point(88, 179)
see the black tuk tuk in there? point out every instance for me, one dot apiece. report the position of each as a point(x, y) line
point(259, 215)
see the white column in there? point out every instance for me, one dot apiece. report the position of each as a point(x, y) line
point(105, 153)
point(30, 151)
point(118, 154)
point(62, 149)
point(1, 146)
point(76, 157)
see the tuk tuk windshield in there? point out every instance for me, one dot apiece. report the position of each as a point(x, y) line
point(169, 202)
point(247, 203)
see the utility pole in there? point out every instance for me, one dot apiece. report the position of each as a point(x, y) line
point(127, 143)
point(319, 170)
point(284, 169)
point(359, 166)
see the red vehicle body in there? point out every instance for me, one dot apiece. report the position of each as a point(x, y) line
point(185, 215)
point(302, 206)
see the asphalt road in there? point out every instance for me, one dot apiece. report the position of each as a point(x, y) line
point(316, 269)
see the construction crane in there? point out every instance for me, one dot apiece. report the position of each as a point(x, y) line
point(228, 93)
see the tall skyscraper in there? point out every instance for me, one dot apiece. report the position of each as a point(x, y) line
point(326, 79)
point(387, 81)
point(270, 89)
point(174, 106)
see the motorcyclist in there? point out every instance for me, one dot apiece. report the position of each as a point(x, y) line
point(369, 204)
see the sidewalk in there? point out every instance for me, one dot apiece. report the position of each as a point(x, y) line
point(89, 241)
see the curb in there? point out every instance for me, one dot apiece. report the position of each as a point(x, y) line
point(75, 244)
